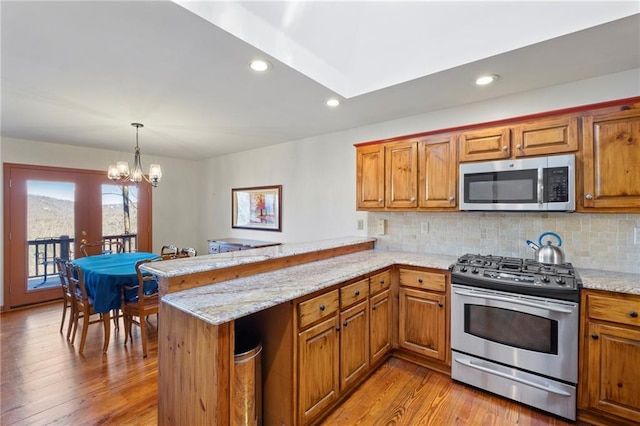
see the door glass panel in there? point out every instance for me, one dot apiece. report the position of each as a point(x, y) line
point(120, 215)
point(50, 230)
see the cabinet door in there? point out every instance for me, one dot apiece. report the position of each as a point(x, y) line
point(318, 369)
point(370, 177)
point(547, 136)
point(613, 370)
point(380, 325)
point(354, 344)
point(437, 165)
point(611, 160)
point(485, 144)
point(401, 170)
point(422, 322)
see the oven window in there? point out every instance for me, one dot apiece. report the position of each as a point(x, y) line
point(512, 328)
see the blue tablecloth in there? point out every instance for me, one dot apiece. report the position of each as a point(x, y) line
point(105, 274)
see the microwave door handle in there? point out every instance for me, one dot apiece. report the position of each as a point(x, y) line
point(550, 389)
point(540, 187)
point(513, 300)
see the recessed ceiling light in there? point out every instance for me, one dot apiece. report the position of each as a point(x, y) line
point(333, 102)
point(259, 65)
point(486, 79)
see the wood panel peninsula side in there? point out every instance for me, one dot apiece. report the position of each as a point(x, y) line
point(197, 327)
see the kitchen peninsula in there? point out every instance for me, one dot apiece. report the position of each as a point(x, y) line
point(270, 298)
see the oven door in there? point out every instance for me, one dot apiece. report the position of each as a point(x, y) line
point(530, 333)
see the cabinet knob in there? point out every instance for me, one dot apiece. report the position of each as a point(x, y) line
point(345, 323)
point(322, 308)
point(452, 198)
point(412, 199)
point(519, 146)
point(373, 308)
point(633, 314)
point(504, 148)
point(440, 305)
point(357, 292)
point(381, 282)
point(594, 336)
point(338, 328)
point(588, 196)
point(420, 280)
point(380, 200)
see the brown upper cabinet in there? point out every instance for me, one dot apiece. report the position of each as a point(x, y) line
point(611, 161)
point(414, 173)
point(535, 137)
point(401, 171)
point(438, 172)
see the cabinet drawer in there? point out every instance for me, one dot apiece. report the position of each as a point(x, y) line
point(624, 311)
point(424, 280)
point(353, 293)
point(379, 282)
point(319, 307)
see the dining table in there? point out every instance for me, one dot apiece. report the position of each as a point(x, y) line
point(106, 274)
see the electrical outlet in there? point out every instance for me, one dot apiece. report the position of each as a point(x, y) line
point(360, 224)
point(424, 228)
point(381, 226)
point(636, 236)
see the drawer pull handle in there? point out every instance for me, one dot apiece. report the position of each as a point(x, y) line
point(594, 336)
point(381, 281)
point(322, 307)
point(357, 293)
point(420, 280)
point(633, 314)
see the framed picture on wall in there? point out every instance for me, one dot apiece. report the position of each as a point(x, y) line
point(258, 208)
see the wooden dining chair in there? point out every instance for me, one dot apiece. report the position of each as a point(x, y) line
point(84, 306)
point(169, 250)
point(104, 246)
point(140, 301)
point(68, 302)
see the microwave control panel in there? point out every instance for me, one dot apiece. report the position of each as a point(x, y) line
point(556, 184)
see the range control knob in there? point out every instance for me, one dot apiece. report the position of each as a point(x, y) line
point(475, 271)
point(545, 279)
point(560, 281)
point(463, 269)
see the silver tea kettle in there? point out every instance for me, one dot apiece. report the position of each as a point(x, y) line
point(548, 253)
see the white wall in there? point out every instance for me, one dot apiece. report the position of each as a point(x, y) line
point(318, 174)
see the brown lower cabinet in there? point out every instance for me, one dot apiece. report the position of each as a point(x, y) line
point(610, 360)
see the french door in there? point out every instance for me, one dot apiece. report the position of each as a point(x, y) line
point(49, 212)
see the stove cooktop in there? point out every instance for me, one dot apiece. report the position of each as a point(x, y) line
point(523, 276)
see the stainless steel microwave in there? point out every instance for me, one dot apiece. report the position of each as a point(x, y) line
point(528, 184)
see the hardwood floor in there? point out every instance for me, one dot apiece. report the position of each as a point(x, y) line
point(44, 381)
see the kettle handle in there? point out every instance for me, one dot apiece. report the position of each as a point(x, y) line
point(553, 234)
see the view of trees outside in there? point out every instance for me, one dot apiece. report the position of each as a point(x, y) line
point(50, 212)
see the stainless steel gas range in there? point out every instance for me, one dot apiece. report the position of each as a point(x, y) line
point(514, 330)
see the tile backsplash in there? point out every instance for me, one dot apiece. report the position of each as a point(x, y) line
point(599, 241)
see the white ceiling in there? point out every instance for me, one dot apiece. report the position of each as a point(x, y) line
point(79, 72)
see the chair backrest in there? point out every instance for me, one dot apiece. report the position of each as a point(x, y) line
point(104, 246)
point(188, 252)
point(169, 249)
point(147, 284)
point(61, 266)
point(76, 282)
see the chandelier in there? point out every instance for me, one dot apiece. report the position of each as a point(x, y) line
point(120, 172)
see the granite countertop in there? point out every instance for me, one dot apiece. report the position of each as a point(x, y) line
point(229, 300)
point(208, 262)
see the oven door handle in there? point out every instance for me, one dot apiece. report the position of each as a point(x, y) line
point(550, 389)
point(513, 300)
